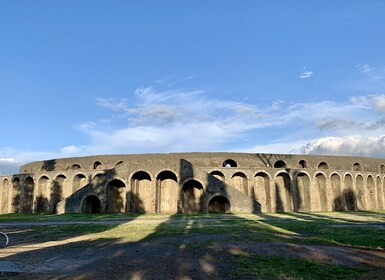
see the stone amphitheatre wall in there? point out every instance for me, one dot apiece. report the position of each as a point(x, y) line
point(195, 182)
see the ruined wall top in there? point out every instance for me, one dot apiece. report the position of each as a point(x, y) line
point(208, 160)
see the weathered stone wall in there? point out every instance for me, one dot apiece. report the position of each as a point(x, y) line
point(195, 182)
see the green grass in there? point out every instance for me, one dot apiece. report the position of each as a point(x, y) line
point(332, 228)
point(265, 267)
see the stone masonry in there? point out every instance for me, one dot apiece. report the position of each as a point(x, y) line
point(195, 182)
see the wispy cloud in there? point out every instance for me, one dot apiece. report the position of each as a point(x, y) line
point(364, 68)
point(182, 120)
point(179, 120)
point(306, 74)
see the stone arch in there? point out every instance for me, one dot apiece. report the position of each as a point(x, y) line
point(230, 163)
point(29, 186)
point(116, 196)
point(4, 207)
point(262, 192)
point(361, 201)
point(283, 193)
point(57, 190)
point(218, 175)
point(97, 165)
point(303, 199)
point(302, 163)
point(372, 196)
point(239, 182)
point(76, 167)
point(380, 193)
point(338, 202)
point(349, 193)
point(143, 193)
point(16, 195)
point(323, 165)
point(192, 192)
point(356, 167)
point(279, 164)
point(97, 177)
point(42, 195)
point(167, 191)
point(91, 205)
point(382, 168)
point(79, 182)
point(119, 163)
point(320, 193)
point(219, 204)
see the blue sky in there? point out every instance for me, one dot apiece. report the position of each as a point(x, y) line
point(104, 77)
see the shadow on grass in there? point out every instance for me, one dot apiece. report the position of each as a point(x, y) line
point(201, 247)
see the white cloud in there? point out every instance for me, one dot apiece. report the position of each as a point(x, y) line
point(180, 120)
point(352, 145)
point(8, 166)
point(306, 74)
point(364, 68)
point(378, 102)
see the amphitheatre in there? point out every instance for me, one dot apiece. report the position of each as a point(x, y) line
point(195, 182)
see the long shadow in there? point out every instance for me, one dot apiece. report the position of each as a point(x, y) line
point(184, 246)
point(177, 244)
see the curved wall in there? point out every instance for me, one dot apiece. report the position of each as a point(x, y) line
point(195, 182)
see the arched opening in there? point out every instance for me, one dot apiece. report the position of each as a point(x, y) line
point(357, 167)
point(348, 194)
point(280, 164)
point(97, 165)
point(75, 167)
point(98, 177)
point(338, 201)
point(191, 197)
point(320, 193)
point(16, 195)
point(261, 193)
point(79, 182)
point(372, 196)
point(166, 192)
point(29, 186)
point(42, 203)
point(219, 204)
point(361, 201)
point(323, 165)
point(116, 197)
point(283, 193)
point(5, 197)
point(143, 193)
point(119, 163)
point(57, 189)
point(229, 163)
point(239, 182)
point(380, 193)
point(91, 205)
point(302, 201)
point(382, 168)
point(218, 175)
point(302, 164)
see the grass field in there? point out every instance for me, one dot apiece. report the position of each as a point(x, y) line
point(348, 229)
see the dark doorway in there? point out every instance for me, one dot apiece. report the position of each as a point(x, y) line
point(91, 205)
point(219, 204)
